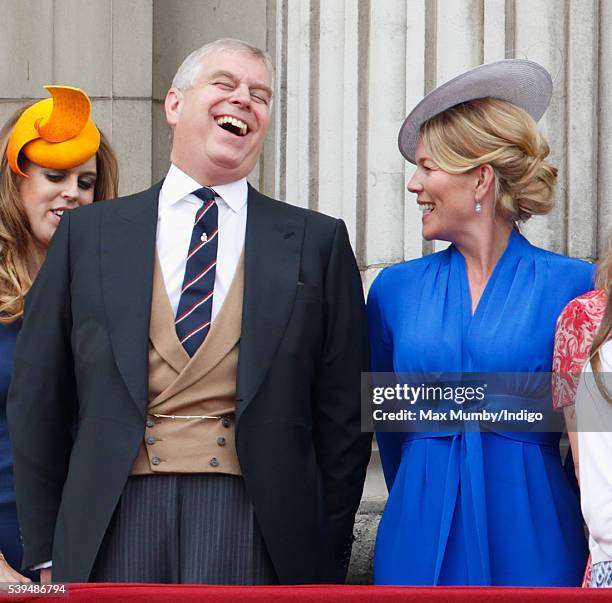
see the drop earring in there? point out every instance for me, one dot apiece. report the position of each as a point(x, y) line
point(478, 207)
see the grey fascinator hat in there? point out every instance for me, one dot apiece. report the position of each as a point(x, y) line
point(518, 81)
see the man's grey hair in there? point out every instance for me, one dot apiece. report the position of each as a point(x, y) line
point(189, 70)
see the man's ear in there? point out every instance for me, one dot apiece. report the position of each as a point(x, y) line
point(173, 104)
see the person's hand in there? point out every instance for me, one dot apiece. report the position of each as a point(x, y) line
point(45, 575)
point(8, 574)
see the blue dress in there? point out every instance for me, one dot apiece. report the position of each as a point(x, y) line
point(10, 539)
point(475, 508)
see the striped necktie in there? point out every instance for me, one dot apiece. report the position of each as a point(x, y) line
point(194, 311)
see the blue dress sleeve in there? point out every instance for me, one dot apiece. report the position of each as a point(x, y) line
point(381, 348)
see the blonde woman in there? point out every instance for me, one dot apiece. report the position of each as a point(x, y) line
point(470, 507)
point(52, 159)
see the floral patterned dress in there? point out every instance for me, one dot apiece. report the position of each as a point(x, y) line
point(576, 328)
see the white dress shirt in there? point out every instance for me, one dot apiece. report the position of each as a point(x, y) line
point(175, 217)
point(593, 412)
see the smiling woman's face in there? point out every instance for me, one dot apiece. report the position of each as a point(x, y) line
point(47, 192)
point(447, 199)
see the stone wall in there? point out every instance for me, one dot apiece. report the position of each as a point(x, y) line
point(347, 72)
point(351, 70)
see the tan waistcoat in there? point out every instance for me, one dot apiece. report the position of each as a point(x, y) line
point(202, 385)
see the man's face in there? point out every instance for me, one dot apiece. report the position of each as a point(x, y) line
point(220, 123)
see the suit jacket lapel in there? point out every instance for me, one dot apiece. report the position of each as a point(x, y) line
point(127, 247)
point(273, 245)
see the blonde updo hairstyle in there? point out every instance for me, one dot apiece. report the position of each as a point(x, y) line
point(506, 137)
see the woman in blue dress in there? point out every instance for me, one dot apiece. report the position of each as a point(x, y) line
point(52, 159)
point(472, 508)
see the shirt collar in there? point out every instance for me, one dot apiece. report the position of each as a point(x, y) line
point(177, 185)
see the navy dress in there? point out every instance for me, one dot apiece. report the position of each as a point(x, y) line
point(10, 540)
point(475, 508)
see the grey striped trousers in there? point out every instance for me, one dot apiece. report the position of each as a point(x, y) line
point(184, 529)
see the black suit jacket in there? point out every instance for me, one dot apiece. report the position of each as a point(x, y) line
point(78, 397)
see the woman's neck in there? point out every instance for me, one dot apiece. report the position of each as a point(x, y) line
point(483, 249)
point(36, 256)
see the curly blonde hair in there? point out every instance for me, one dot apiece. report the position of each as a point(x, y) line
point(501, 134)
point(16, 240)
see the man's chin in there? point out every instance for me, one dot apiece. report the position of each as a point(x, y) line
point(215, 168)
point(232, 166)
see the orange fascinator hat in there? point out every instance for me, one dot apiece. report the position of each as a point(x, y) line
point(56, 132)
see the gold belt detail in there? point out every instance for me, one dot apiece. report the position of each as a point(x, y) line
point(189, 417)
